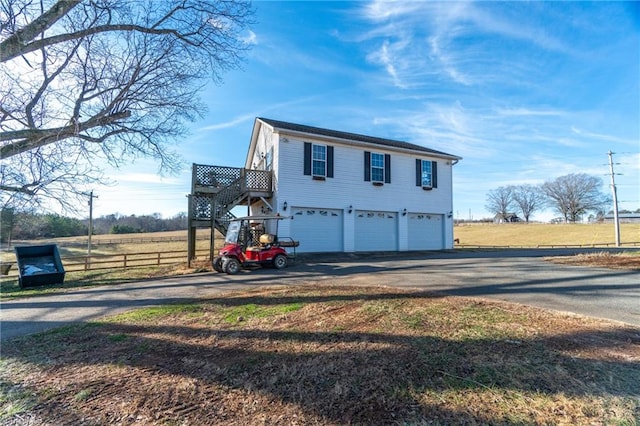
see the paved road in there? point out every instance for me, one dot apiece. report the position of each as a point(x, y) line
point(520, 276)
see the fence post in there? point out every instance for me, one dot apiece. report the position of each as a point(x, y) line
point(158, 258)
point(125, 261)
point(86, 263)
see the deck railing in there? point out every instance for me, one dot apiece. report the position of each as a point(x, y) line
point(207, 178)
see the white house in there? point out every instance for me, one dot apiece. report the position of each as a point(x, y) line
point(349, 193)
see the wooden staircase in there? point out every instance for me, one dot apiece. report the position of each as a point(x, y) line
point(216, 190)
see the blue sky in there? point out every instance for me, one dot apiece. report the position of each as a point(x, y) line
point(524, 91)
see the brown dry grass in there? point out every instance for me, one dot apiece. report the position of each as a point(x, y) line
point(537, 234)
point(327, 355)
point(627, 261)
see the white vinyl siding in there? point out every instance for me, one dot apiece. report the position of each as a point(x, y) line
point(348, 188)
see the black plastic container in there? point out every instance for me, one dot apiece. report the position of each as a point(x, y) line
point(39, 265)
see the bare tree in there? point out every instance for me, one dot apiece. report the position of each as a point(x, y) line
point(528, 198)
point(88, 81)
point(500, 201)
point(575, 194)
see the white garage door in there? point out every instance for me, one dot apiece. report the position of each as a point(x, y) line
point(318, 230)
point(376, 231)
point(426, 231)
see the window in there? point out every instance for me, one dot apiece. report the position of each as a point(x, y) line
point(426, 174)
point(377, 167)
point(319, 160)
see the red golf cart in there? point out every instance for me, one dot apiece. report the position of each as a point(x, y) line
point(253, 241)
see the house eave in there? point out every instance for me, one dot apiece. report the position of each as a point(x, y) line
point(351, 142)
point(369, 145)
point(253, 143)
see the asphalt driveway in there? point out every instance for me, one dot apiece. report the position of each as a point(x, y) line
point(520, 276)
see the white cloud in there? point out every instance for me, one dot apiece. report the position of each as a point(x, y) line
point(251, 38)
point(385, 56)
point(231, 123)
point(528, 112)
point(447, 62)
point(602, 137)
point(259, 113)
point(146, 178)
point(382, 10)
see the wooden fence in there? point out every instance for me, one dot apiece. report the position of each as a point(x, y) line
point(118, 261)
point(549, 246)
point(97, 241)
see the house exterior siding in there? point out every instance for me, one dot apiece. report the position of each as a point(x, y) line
point(347, 191)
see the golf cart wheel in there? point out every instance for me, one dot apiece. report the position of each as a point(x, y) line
point(280, 261)
point(231, 265)
point(217, 264)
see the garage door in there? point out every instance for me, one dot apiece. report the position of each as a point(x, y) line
point(318, 230)
point(376, 231)
point(426, 231)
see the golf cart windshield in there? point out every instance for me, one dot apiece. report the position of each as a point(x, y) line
point(233, 233)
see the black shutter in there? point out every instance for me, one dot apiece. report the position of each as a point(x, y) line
point(307, 158)
point(434, 174)
point(418, 172)
point(367, 166)
point(329, 161)
point(387, 168)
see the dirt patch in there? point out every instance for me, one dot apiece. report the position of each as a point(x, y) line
point(628, 261)
point(327, 355)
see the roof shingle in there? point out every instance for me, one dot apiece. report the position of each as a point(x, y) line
point(350, 136)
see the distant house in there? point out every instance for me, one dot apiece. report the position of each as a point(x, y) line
point(623, 218)
point(506, 218)
point(346, 192)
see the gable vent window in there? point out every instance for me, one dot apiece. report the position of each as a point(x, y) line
point(318, 161)
point(427, 174)
point(377, 168)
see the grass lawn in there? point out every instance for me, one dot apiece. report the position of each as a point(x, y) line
point(327, 355)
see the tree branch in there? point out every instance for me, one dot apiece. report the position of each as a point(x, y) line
point(10, 53)
point(18, 189)
point(29, 139)
point(14, 46)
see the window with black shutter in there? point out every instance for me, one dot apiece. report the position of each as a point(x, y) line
point(318, 160)
point(426, 174)
point(377, 168)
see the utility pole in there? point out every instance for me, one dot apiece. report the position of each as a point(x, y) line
point(91, 197)
point(615, 200)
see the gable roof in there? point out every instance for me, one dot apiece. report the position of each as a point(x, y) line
point(346, 136)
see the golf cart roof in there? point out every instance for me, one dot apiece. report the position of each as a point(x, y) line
point(262, 217)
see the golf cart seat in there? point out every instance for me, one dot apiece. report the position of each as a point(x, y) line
point(266, 239)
